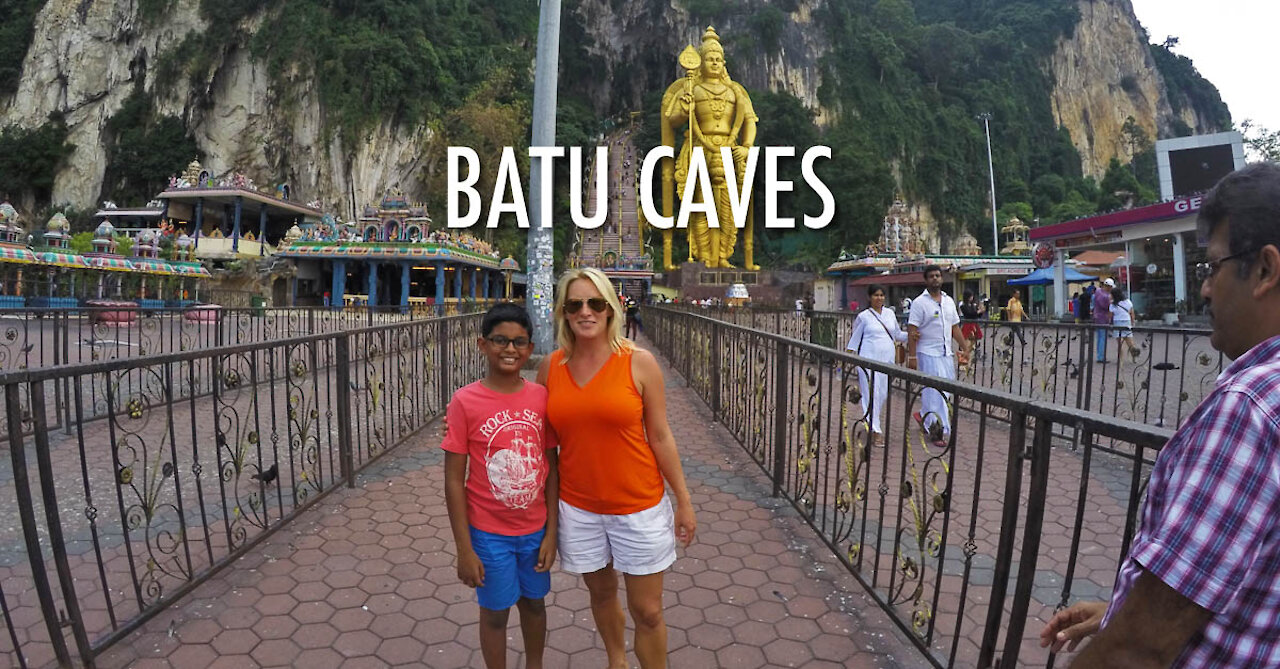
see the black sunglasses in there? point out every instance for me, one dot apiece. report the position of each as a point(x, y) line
point(597, 304)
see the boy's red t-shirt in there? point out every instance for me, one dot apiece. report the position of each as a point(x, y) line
point(505, 438)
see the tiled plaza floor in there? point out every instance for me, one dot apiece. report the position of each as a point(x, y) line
point(366, 579)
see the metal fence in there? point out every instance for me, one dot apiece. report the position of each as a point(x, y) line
point(969, 538)
point(1173, 369)
point(32, 338)
point(180, 462)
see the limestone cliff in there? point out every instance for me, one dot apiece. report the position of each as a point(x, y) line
point(1104, 74)
point(86, 58)
point(636, 44)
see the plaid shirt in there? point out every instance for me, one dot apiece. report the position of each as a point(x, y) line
point(1211, 523)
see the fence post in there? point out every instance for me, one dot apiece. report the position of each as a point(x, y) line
point(442, 355)
point(781, 396)
point(1008, 528)
point(65, 396)
point(1087, 373)
point(342, 353)
point(44, 465)
point(1030, 541)
point(27, 514)
point(715, 369)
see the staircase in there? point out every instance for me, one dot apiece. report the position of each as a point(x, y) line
point(620, 236)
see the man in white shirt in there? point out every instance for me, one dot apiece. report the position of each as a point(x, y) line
point(933, 331)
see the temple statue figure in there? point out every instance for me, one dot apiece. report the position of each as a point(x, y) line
point(718, 113)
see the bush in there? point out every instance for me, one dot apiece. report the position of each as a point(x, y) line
point(30, 159)
point(143, 150)
point(16, 32)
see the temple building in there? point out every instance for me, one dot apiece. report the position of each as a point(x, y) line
point(392, 258)
point(897, 260)
point(231, 218)
point(966, 245)
point(1016, 243)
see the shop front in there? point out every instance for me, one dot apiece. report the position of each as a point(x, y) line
point(1159, 247)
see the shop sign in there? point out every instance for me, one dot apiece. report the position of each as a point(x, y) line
point(1086, 240)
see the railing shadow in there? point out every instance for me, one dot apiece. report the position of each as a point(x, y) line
point(179, 463)
point(949, 527)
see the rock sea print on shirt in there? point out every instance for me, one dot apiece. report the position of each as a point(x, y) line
point(514, 457)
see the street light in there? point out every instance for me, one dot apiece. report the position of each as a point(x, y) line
point(985, 117)
point(540, 249)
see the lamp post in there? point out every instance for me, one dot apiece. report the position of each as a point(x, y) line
point(538, 300)
point(985, 117)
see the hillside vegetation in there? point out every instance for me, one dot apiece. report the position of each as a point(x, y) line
point(903, 82)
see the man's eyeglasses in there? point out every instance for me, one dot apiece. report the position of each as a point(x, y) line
point(1206, 270)
point(597, 304)
point(502, 342)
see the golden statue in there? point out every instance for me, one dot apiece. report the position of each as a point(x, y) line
point(718, 113)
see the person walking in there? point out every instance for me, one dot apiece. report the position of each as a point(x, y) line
point(972, 311)
point(633, 318)
point(1100, 305)
point(933, 329)
point(1199, 585)
point(1122, 322)
point(1084, 306)
point(607, 405)
point(875, 335)
point(1013, 313)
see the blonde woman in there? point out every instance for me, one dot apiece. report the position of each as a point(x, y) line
point(607, 404)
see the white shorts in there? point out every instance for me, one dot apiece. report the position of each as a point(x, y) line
point(637, 543)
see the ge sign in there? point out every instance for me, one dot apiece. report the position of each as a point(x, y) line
point(1188, 205)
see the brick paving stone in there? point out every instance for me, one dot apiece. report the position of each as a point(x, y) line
point(366, 578)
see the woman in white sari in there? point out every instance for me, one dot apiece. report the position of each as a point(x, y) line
point(875, 332)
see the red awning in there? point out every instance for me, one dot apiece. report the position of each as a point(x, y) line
point(905, 279)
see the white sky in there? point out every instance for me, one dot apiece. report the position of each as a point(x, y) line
point(1233, 45)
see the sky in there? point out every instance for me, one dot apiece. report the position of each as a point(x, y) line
point(1231, 42)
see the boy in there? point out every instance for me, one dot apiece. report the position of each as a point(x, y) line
point(501, 488)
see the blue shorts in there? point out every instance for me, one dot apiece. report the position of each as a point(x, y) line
point(509, 568)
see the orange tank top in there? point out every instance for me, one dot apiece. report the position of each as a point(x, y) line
point(606, 463)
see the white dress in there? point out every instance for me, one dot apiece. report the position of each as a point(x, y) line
point(873, 337)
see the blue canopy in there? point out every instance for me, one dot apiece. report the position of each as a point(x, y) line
point(1044, 276)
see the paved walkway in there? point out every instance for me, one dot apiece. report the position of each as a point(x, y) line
point(366, 579)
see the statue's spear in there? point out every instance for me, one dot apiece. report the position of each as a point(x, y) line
point(691, 61)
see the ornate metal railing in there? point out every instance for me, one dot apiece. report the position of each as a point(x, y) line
point(951, 531)
point(32, 338)
point(179, 463)
point(1159, 383)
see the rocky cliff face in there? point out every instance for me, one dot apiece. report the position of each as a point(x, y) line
point(1104, 74)
point(636, 44)
point(86, 58)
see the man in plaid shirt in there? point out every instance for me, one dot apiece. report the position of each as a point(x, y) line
point(1201, 584)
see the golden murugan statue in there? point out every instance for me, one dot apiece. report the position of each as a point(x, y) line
point(718, 113)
